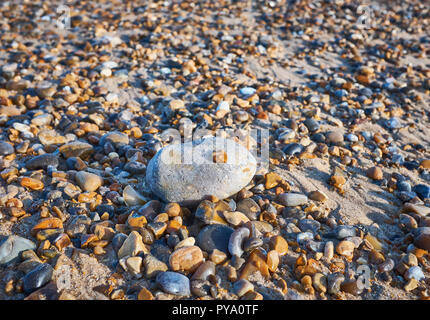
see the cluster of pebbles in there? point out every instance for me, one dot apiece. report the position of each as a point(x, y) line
point(89, 211)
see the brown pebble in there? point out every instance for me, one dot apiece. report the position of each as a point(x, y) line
point(375, 173)
point(145, 294)
point(345, 248)
point(186, 259)
point(31, 183)
point(279, 244)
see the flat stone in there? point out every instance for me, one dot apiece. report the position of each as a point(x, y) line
point(214, 236)
point(88, 181)
point(76, 149)
point(416, 208)
point(189, 182)
point(318, 196)
point(42, 161)
point(12, 246)
point(42, 120)
point(235, 218)
point(115, 138)
point(31, 183)
point(292, 199)
point(48, 137)
point(174, 283)
point(10, 111)
point(342, 232)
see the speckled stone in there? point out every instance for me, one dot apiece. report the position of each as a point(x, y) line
point(174, 180)
point(174, 283)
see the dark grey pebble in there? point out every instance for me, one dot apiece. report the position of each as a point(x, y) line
point(42, 161)
point(174, 283)
point(293, 148)
point(37, 278)
point(342, 232)
point(215, 236)
point(312, 125)
point(6, 148)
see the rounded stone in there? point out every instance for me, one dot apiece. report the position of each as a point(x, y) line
point(334, 137)
point(174, 283)
point(375, 173)
point(6, 148)
point(76, 149)
point(422, 241)
point(115, 138)
point(215, 236)
point(345, 248)
point(422, 190)
point(42, 161)
point(342, 232)
point(37, 278)
point(88, 181)
point(186, 173)
point(292, 199)
point(186, 259)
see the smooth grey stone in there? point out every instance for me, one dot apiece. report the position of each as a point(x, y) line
point(174, 283)
point(11, 246)
point(214, 236)
point(292, 199)
point(42, 161)
point(186, 173)
point(6, 148)
point(342, 232)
